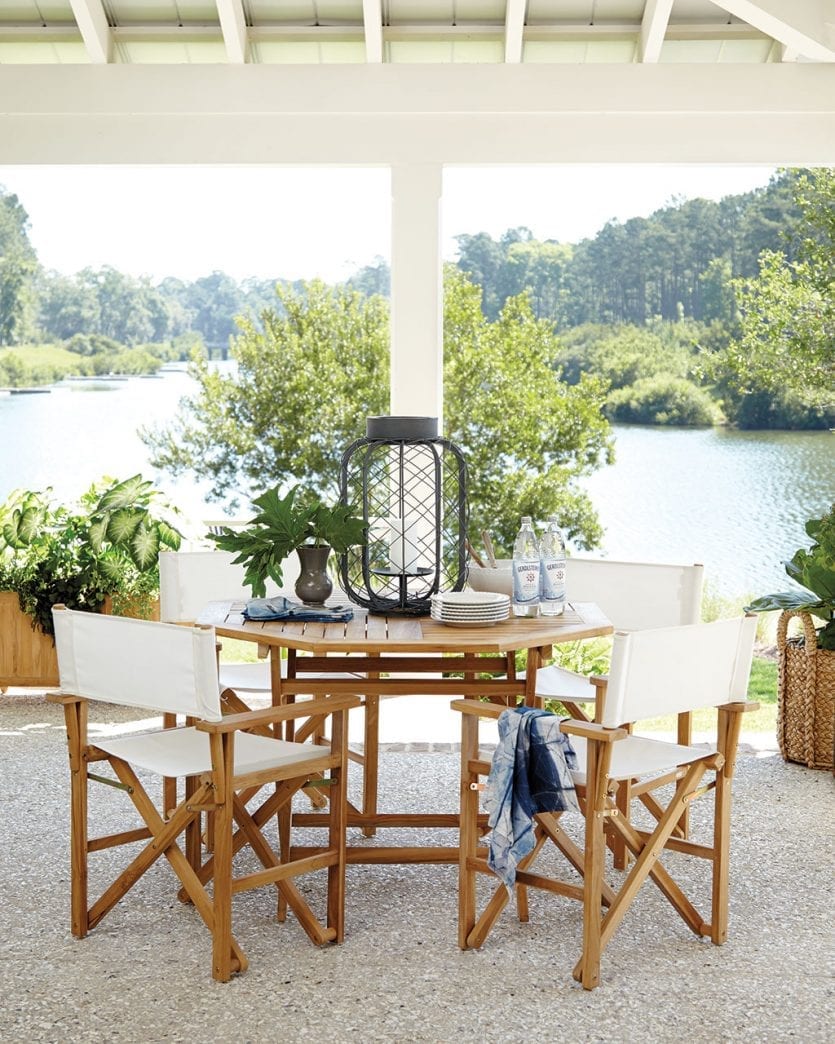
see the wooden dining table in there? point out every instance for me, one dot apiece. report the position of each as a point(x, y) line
point(389, 656)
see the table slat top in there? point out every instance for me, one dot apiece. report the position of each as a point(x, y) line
point(368, 633)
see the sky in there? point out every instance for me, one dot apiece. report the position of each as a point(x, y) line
point(299, 223)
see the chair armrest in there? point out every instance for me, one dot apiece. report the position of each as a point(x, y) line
point(591, 730)
point(63, 698)
point(483, 710)
point(740, 707)
point(287, 712)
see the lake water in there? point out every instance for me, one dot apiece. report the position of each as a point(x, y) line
point(735, 501)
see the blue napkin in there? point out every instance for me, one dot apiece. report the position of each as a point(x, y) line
point(280, 608)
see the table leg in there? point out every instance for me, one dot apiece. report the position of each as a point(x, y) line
point(371, 755)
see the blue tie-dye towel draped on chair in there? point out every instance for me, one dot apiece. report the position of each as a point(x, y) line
point(531, 772)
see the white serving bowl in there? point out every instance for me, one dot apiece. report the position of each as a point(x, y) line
point(488, 579)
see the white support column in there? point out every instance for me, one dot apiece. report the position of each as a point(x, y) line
point(416, 291)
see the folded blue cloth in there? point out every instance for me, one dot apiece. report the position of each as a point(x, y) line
point(281, 608)
point(530, 773)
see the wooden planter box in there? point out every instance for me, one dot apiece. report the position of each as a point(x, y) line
point(27, 656)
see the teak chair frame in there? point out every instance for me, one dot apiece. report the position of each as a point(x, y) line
point(224, 794)
point(597, 794)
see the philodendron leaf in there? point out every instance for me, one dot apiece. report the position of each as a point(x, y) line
point(786, 600)
point(811, 571)
point(339, 528)
point(144, 547)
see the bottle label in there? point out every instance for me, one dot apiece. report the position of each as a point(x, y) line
point(526, 581)
point(553, 580)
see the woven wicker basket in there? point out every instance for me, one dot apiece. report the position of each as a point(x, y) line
point(805, 696)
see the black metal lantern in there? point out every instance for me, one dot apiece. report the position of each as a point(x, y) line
point(411, 488)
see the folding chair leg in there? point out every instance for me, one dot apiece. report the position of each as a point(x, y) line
point(588, 970)
point(284, 824)
point(468, 831)
point(75, 716)
point(169, 785)
point(721, 849)
point(684, 737)
point(337, 826)
point(623, 800)
point(222, 887)
point(193, 840)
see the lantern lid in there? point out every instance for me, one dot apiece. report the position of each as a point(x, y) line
point(401, 428)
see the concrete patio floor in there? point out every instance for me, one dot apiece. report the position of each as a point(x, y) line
point(143, 975)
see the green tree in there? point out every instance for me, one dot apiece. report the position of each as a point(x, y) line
point(527, 436)
point(67, 306)
point(307, 377)
point(316, 366)
point(787, 312)
point(18, 266)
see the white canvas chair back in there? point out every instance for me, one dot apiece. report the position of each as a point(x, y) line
point(190, 579)
point(637, 595)
point(676, 669)
point(136, 663)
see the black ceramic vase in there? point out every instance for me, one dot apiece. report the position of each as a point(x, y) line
point(313, 585)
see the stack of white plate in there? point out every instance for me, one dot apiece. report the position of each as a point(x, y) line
point(470, 608)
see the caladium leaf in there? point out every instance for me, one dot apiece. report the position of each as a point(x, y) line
point(125, 494)
point(144, 547)
point(123, 524)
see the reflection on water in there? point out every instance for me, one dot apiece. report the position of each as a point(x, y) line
point(736, 501)
point(83, 430)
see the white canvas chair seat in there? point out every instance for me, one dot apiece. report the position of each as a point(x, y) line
point(559, 683)
point(226, 763)
point(185, 752)
point(255, 677)
point(654, 672)
point(637, 756)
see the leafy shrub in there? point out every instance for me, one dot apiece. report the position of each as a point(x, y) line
point(662, 400)
point(92, 344)
point(106, 544)
point(784, 409)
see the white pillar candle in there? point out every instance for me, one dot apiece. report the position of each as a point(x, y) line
point(404, 551)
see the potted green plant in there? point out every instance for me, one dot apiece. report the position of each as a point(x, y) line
point(101, 550)
point(806, 677)
point(295, 522)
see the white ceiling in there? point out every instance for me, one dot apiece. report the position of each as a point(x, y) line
point(414, 31)
point(417, 81)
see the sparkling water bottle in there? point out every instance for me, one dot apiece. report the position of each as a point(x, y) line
point(552, 570)
point(526, 571)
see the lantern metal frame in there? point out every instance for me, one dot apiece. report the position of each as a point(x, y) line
point(404, 477)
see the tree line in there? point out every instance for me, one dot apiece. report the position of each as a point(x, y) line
point(678, 263)
point(688, 316)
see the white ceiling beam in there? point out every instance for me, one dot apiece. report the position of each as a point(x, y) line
point(95, 31)
point(233, 27)
point(514, 29)
point(805, 26)
point(653, 29)
point(771, 113)
point(372, 21)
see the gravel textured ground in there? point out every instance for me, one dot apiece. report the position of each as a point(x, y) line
point(143, 974)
